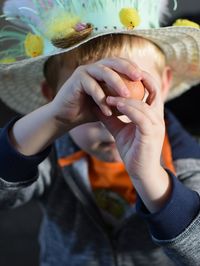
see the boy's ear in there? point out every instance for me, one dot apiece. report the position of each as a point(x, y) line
point(47, 91)
point(166, 81)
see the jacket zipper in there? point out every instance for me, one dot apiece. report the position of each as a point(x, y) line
point(114, 252)
point(110, 239)
point(86, 203)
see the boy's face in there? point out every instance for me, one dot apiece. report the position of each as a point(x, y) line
point(94, 138)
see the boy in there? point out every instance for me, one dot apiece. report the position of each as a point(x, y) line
point(104, 159)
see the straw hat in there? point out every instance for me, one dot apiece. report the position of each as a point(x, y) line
point(48, 27)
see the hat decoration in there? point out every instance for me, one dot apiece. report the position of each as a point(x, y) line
point(43, 25)
point(39, 29)
point(186, 23)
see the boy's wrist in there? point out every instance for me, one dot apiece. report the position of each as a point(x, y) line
point(160, 223)
point(24, 167)
point(154, 189)
point(60, 120)
point(36, 131)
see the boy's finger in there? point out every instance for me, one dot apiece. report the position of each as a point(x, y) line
point(136, 104)
point(92, 88)
point(136, 116)
point(123, 66)
point(110, 77)
point(154, 96)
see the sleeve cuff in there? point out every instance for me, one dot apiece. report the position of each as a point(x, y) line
point(177, 214)
point(14, 166)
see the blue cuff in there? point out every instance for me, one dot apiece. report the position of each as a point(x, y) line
point(14, 166)
point(177, 214)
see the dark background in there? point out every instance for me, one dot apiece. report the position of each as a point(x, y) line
point(19, 227)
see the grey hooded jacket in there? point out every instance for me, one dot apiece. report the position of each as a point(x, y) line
point(74, 232)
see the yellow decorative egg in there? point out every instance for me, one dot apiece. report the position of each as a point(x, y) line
point(186, 23)
point(7, 60)
point(34, 45)
point(129, 17)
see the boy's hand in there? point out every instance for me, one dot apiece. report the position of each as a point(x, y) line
point(140, 142)
point(81, 93)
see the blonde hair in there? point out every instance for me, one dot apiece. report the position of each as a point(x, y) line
point(105, 46)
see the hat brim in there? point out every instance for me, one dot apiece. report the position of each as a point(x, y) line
point(20, 81)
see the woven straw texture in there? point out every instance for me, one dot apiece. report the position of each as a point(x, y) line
point(20, 81)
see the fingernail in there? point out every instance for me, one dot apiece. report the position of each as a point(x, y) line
point(137, 76)
point(109, 99)
point(126, 93)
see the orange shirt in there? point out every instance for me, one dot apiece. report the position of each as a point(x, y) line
point(113, 176)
